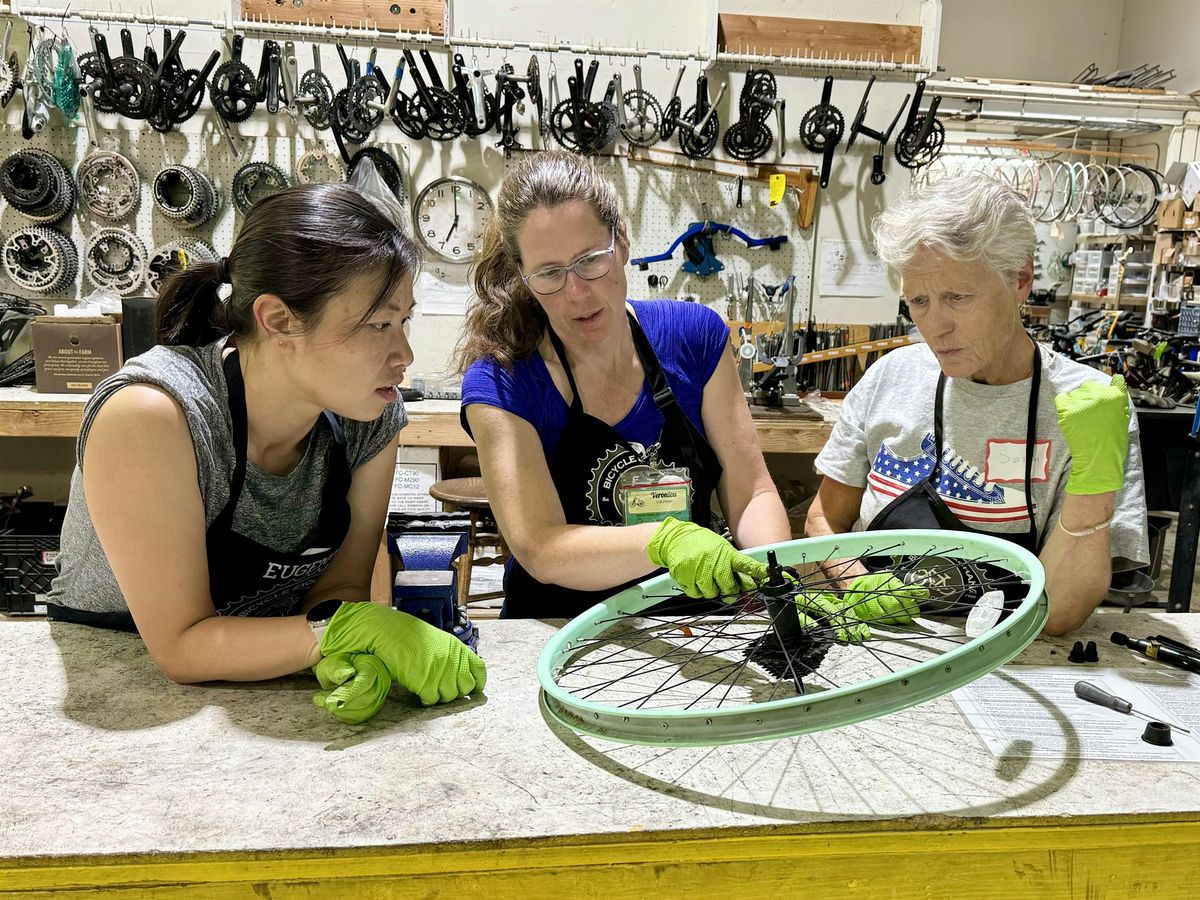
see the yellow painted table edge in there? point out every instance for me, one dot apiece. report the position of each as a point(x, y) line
point(1043, 858)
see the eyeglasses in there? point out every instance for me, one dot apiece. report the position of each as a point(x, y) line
point(589, 267)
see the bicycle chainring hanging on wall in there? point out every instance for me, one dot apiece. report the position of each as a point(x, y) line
point(700, 126)
point(254, 181)
point(921, 139)
point(115, 260)
point(318, 166)
point(750, 137)
point(108, 184)
point(170, 258)
point(234, 87)
point(186, 195)
point(37, 185)
point(822, 128)
point(386, 166)
point(40, 260)
point(642, 114)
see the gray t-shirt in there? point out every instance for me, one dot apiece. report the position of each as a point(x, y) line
point(883, 441)
point(279, 512)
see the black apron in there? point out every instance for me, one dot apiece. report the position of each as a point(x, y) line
point(954, 588)
point(586, 466)
point(246, 578)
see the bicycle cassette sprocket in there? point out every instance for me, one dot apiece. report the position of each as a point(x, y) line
point(109, 185)
point(170, 258)
point(40, 260)
point(115, 260)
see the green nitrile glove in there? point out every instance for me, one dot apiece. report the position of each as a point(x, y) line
point(354, 686)
point(433, 664)
point(882, 598)
point(702, 562)
point(825, 611)
point(1094, 419)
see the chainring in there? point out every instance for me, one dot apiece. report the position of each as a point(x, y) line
point(8, 82)
point(670, 120)
point(643, 118)
point(40, 260)
point(115, 260)
point(747, 140)
point(317, 90)
point(924, 153)
point(134, 90)
point(387, 168)
point(319, 166)
point(254, 181)
point(366, 91)
point(822, 126)
point(234, 91)
point(445, 122)
point(165, 261)
point(344, 119)
point(702, 144)
point(109, 185)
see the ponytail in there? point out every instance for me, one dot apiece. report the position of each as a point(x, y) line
point(306, 245)
point(190, 311)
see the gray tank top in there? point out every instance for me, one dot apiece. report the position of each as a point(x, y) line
point(279, 511)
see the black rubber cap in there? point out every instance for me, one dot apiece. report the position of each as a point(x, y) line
point(1090, 653)
point(1158, 733)
point(1077, 655)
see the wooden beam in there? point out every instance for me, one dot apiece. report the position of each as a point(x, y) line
point(817, 37)
point(409, 15)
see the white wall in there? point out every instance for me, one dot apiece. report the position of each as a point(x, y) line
point(1032, 40)
point(1166, 32)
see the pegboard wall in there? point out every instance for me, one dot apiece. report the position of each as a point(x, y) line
point(659, 201)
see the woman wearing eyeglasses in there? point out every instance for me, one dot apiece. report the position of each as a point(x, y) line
point(592, 411)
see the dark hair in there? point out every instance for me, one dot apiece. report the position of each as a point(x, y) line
point(304, 244)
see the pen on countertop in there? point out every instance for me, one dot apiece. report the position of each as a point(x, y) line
point(1160, 652)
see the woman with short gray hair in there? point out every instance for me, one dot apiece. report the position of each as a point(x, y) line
point(979, 428)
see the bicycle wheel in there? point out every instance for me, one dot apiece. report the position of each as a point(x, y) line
point(631, 670)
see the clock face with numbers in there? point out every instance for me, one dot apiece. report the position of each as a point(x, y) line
point(449, 217)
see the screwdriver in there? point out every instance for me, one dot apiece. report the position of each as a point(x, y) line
point(1085, 690)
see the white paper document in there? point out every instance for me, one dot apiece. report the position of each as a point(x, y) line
point(410, 488)
point(440, 297)
point(851, 269)
point(1032, 712)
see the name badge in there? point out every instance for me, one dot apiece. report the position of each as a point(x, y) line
point(1006, 461)
point(651, 495)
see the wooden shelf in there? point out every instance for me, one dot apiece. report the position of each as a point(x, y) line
point(431, 423)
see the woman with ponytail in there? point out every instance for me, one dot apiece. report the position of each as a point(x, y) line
point(592, 411)
point(231, 485)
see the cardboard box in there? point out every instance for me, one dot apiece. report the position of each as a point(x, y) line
point(73, 355)
point(1166, 248)
point(1191, 219)
point(1171, 213)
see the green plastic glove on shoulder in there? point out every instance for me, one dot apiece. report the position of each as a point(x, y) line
point(882, 598)
point(702, 562)
point(433, 664)
point(1094, 420)
point(354, 686)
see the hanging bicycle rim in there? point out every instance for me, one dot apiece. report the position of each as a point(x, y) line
point(631, 670)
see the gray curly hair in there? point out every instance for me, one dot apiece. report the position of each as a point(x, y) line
point(966, 219)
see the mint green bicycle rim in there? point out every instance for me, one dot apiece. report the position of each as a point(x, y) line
point(708, 723)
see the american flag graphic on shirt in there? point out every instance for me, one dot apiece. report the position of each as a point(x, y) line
point(960, 485)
